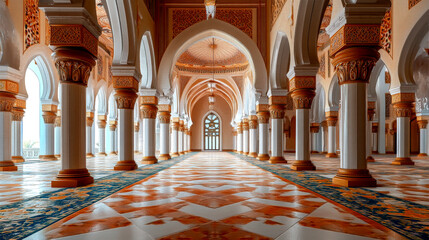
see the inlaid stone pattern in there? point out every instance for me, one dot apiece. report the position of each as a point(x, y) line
point(242, 18)
point(31, 23)
point(276, 9)
point(412, 3)
point(386, 32)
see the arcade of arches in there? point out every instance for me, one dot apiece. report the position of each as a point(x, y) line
point(205, 119)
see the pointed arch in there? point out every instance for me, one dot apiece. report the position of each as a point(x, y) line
point(147, 62)
point(280, 62)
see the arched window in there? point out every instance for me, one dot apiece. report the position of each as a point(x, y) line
point(211, 132)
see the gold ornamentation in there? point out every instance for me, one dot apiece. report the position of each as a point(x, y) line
point(422, 124)
point(175, 126)
point(49, 117)
point(262, 108)
point(136, 127)
point(19, 103)
point(164, 107)
point(263, 117)
point(412, 3)
point(50, 108)
point(102, 124)
point(374, 127)
point(403, 97)
point(314, 128)
point(148, 100)
point(112, 125)
point(125, 99)
point(57, 121)
point(302, 82)
point(303, 98)
point(331, 118)
point(276, 9)
point(9, 86)
point(281, 100)
point(253, 123)
point(74, 66)
point(7, 101)
point(245, 125)
point(125, 82)
point(403, 109)
point(164, 116)
point(17, 114)
point(74, 36)
point(148, 111)
point(277, 111)
point(352, 35)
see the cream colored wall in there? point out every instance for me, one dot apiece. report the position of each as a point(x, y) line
point(199, 111)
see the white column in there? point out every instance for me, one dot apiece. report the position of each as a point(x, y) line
point(371, 112)
point(180, 140)
point(58, 137)
point(403, 112)
point(175, 140)
point(240, 138)
point(277, 115)
point(141, 136)
point(49, 116)
point(263, 120)
point(6, 102)
point(331, 119)
point(89, 123)
point(302, 141)
point(102, 135)
point(234, 140)
point(117, 138)
point(164, 125)
point(314, 129)
point(253, 148)
point(17, 116)
point(136, 137)
point(423, 138)
point(112, 128)
point(375, 140)
point(245, 125)
point(149, 112)
point(323, 137)
point(125, 132)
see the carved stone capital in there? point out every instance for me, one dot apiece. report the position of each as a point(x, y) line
point(422, 124)
point(263, 117)
point(148, 111)
point(17, 114)
point(125, 99)
point(112, 126)
point(371, 110)
point(303, 98)
point(164, 117)
point(277, 111)
point(403, 109)
point(253, 124)
point(57, 121)
point(314, 127)
point(102, 124)
point(175, 126)
point(355, 65)
point(49, 117)
point(374, 128)
point(74, 66)
point(7, 101)
point(89, 121)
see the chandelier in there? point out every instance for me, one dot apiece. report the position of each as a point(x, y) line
point(211, 84)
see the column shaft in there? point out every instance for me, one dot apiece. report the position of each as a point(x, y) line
point(58, 137)
point(245, 126)
point(253, 148)
point(112, 128)
point(175, 140)
point(240, 138)
point(17, 116)
point(277, 115)
point(136, 137)
point(102, 135)
point(148, 112)
point(49, 116)
point(6, 103)
point(403, 112)
point(263, 120)
point(164, 122)
point(423, 138)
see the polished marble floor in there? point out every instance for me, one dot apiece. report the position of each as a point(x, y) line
point(218, 196)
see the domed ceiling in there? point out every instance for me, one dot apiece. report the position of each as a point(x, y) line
point(213, 52)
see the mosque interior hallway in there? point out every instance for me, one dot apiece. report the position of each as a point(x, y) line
point(208, 195)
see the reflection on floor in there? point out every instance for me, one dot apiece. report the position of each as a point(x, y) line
point(216, 196)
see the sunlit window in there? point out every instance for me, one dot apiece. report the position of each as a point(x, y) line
point(211, 132)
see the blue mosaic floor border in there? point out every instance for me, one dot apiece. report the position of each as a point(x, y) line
point(404, 217)
point(21, 219)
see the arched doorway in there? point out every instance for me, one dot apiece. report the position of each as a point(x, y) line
point(212, 132)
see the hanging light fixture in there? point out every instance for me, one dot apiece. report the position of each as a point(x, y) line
point(212, 84)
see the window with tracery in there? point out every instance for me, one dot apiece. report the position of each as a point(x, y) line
point(211, 132)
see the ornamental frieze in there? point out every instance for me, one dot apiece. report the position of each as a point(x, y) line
point(74, 36)
point(403, 97)
point(9, 86)
point(355, 35)
point(302, 82)
point(403, 109)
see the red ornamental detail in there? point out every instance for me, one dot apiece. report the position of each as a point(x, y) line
point(241, 18)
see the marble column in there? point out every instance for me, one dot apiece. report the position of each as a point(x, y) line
point(263, 115)
point(102, 122)
point(371, 112)
point(314, 129)
point(175, 138)
point(112, 127)
point(49, 115)
point(7, 100)
point(17, 116)
point(136, 137)
point(331, 120)
point(234, 140)
point(164, 124)
point(58, 135)
point(354, 66)
point(253, 128)
point(402, 104)
point(323, 127)
point(245, 126)
point(423, 137)
point(239, 138)
point(374, 130)
point(125, 98)
point(148, 112)
point(89, 124)
point(277, 112)
point(302, 98)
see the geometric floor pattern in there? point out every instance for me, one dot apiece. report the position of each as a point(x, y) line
point(215, 196)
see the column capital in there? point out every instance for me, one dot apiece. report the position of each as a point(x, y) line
point(422, 123)
point(49, 113)
point(331, 118)
point(148, 111)
point(17, 114)
point(253, 122)
point(164, 116)
point(375, 127)
point(371, 110)
point(112, 125)
point(245, 124)
point(125, 98)
point(74, 65)
point(57, 121)
point(277, 111)
point(403, 109)
point(239, 128)
point(263, 117)
point(7, 100)
point(175, 126)
point(102, 121)
point(303, 98)
point(314, 127)
point(89, 119)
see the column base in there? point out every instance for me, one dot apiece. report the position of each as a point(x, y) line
point(149, 160)
point(164, 157)
point(18, 159)
point(303, 165)
point(8, 166)
point(420, 155)
point(181, 153)
point(246, 153)
point(263, 157)
point(313, 152)
point(113, 154)
point(48, 157)
point(331, 155)
point(174, 154)
point(71, 178)
point(374, 152)
point(324, 153)
point(58, 156)
point(403, 161)
point(253, 154)
point(90, 155)
point(240, 152)
point(370, 159)
point(354, 178)
point(277, 160)
point(102, 154)
point(137, 152)
point(126, 165)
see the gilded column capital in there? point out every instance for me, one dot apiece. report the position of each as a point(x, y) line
point(112, 125)
point(303, 98)
point(57, 121)
point(277, 111)
point(245, 124)
point(148, 111)
point(314, 127)
point(422, 124)
point(7, 100)
point(176, 126)
point(49, 113)
point(17, 114)
point(102, 121)
point(239, 128)
point(263, 117)
point(125, 98)
point(164, 117)
point(331, 118)
point(403, 109)
point(375, 127)
point(73, 65)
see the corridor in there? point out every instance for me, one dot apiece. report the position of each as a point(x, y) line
point(214, 196)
